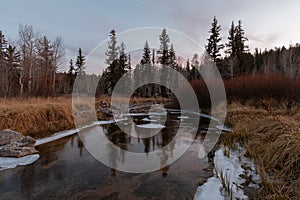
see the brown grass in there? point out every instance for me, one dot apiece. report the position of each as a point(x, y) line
point(37, 117)
point(274, 145)
point(40, 117)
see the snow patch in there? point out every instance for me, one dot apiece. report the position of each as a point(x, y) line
point(158, 113)
point(151, 126)
point(9, 162)
point(56, 136)
point(135, 114)
point(223, 128)
point(231, 167)
point(149, 120)
point(63, 134)
point(210, 190)
point(183, 117)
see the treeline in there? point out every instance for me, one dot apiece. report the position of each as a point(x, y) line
point(29, 65)
point(153, 67)
point(239, 61)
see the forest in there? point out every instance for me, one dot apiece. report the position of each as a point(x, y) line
point(29, 65)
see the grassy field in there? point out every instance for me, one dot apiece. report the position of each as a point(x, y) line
point(272, 137)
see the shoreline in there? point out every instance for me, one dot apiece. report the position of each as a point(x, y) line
point(271, 138)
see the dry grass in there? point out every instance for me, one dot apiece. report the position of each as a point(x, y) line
point(37, 117)
point(40, 117)
point(274, 144)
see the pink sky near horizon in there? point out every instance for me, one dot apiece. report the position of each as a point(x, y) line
point(85, 24)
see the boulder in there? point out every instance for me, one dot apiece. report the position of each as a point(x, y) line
point(14, 144)
point(8, 136)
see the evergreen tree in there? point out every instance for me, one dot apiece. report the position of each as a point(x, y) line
point(71, 70)
point(174, 79)
point(172, 57)
point(13, 64)
point(164, 40)
point(112, 51)
point(213, 47)
point(164, 61)
point(195, 64)
point(164, 48)
point(146, 58)
point(231, 41)
point(71, 75)
point(188, 70)
point(123, 67)
point(153, 57)
point(117, 69)
point(80, 62)
point(240, 39)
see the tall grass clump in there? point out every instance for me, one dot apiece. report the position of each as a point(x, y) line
point(274, 145)
point(37, 117)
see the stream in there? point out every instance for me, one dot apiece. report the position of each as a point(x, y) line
point(66, 170)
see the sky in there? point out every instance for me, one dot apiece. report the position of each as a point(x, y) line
point(85, 24)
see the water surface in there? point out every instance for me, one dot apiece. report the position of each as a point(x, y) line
point(66, 170)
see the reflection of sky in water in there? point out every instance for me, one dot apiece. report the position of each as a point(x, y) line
point(66, 169)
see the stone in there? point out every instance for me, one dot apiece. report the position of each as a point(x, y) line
point(8, 136)
point(14, 144)
point(14, 150)
point(28, 141)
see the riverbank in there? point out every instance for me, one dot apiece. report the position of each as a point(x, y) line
point(42, 117)
point(270, 132)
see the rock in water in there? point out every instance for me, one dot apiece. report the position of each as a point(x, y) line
point(8, 136)
point(14, 144)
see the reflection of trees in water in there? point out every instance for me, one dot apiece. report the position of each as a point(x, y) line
point(28, 180)
point(159, 141)
point(147, 144)
point(80, 146)
point(167, 136)
point(119, 138)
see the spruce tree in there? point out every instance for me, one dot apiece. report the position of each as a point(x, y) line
point(80, 62)
point(112, 51)
point(71, 74)
point(172, 57)
point(146, 58)
point(195, 64)
point(231, 48)
point(213, 47)
point(164, 61)
point(240, 39)
point(164, 48)
point(123, 66)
